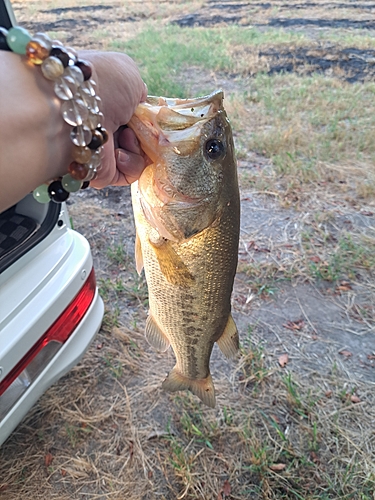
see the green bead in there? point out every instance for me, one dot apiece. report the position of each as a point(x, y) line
point(41, 194)
point(71, 185)
point(17, 39)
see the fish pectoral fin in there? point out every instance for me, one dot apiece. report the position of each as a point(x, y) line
point(171, 265)
point(155, 335)
point(138, 254)
point(202, 388)
point(229, 342)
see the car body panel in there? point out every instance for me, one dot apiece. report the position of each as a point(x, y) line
point(34, 291)
point(67, 357)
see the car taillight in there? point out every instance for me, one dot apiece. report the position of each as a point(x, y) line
point(36, 359)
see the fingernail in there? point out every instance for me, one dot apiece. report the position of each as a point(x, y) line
point(122, 157)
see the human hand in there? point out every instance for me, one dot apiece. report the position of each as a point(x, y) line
point(121, 89)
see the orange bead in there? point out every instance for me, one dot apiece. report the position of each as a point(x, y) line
point(81, 154)
point(78, 171)
point(37, 51)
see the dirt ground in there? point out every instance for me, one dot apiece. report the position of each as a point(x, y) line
point(73, 444)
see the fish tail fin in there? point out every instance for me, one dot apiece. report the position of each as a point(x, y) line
point(229, 342)
point(202, 388)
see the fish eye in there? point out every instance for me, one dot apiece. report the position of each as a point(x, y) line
point(214, 149)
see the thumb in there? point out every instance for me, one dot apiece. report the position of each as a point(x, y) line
point(129, 166)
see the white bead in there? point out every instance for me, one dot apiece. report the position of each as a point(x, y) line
point(81, 136)
point(74, 112)
point(52, 68)
point(75, 73)
point(65, 87)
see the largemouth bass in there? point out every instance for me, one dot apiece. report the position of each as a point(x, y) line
point(187, 216)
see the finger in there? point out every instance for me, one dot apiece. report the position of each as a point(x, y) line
point(129, 167)
point(128, 140)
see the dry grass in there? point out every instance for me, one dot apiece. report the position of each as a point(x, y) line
point(107, 431)
point(304, 431)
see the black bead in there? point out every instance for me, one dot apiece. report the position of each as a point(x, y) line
point(104, 133)
point(96, 141)
point(3, 39)
point(85, 67)
point(57, 192)
point(60, 54)
point(85, 185)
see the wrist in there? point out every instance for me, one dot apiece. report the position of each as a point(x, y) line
point(70, 123)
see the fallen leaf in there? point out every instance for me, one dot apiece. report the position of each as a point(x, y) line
point(370, 356)
point(354, 398)
point(366, 212)
point(314, 457)
point(344, 286)
point(226, 488)
point(345, 283)
point(283, 360)
point(277, 467)
point(63, 472)
point(294, 325)
point(3, 486)
point(262, 249)
point(345, 353)
point(48, 459)
point(328, 394)
point(315, 259)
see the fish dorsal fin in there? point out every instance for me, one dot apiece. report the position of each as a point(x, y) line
point(202, 388)
point(138, 254)
point(171, 265)
point(229, 342)
point(155, 336)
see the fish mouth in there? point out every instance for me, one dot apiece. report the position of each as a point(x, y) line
point(166, 127)
point(173, 123)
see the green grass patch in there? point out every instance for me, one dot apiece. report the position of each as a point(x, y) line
point(302, 123)
point(162, 54)
point(307, 120)
point(346, 259)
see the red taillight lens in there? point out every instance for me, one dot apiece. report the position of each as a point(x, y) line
point(60, 331)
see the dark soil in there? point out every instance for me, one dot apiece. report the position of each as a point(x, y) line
point(322, 23)
point(349, 64)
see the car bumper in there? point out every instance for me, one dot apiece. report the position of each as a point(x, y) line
point(67, 357)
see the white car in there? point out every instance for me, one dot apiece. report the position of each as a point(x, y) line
point(50, 309)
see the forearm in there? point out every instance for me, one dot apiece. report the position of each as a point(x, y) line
point(35, 145)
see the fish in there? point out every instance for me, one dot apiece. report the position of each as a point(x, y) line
point(187, 215)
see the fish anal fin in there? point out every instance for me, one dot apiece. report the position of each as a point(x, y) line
point(229, 342)
point(202, 388)
point(155, 335)
point(171, 265)
point(138, 254)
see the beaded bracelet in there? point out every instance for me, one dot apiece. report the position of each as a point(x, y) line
point(80, 107)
